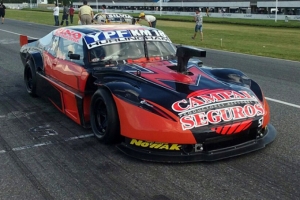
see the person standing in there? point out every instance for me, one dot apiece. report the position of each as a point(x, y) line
point(56, 15)
point(71, 13)
point(65, 16)
point(85, 14)
point(149, 18)
point(199, 24)
point(207, 12)
point(104, 9)
point(2, 11)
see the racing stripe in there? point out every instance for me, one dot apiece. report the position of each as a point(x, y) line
point(232, 129)
point(244, 125)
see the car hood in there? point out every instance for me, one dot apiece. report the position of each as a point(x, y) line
point(199, 95)
point(164, 74)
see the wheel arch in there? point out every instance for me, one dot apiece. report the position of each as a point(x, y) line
point(37, 59)
point(238, 77)
point(124, 90)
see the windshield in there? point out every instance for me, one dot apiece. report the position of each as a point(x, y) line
point(131, 50)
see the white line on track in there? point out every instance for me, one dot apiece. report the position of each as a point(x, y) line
point(47, 143)
point(33, 23)
point(283, 102)
point(270, 99)
point(16, 33)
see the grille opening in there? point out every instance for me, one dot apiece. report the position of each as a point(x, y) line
point(224, 141)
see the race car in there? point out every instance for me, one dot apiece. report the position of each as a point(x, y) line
point(155, 100)
point(113, 18)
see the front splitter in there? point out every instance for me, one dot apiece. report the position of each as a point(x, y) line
point(181, 157)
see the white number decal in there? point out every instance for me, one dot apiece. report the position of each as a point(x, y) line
point(260, 122)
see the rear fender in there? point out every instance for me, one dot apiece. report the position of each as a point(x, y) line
point(37, 60)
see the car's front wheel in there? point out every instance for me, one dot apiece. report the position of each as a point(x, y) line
point(30, 78)
point(104, 117)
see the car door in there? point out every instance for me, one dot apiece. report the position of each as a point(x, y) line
point(69, 72)
point(68, 78)
point(50, 59)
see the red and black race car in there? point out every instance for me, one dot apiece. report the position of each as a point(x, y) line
point(157, 101)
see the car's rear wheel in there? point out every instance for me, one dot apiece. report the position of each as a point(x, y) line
point(30, 78)
point(104, 117)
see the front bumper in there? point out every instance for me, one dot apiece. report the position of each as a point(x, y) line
point(149, 154)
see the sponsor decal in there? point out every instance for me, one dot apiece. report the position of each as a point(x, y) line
point(68, 34)
point(226, 15)
point(116, 15)
point(247, 15)
point(155, 145)
point(216, 107)
point(109, 37)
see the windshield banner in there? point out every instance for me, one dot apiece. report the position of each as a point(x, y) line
point(110, 37)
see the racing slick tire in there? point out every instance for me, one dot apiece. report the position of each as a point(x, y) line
point(30, 78)
point(104, 117)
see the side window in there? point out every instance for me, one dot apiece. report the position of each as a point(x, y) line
point(46, 40)
point(61, 52)
point(66, 46)
point(53, 46)
point(78, 49)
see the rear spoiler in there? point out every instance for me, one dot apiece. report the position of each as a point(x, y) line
point(24, 40)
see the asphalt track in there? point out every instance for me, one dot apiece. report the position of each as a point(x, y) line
point(45, 155)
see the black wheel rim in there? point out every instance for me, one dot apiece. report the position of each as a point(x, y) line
point(101, 118)
point(28, 77)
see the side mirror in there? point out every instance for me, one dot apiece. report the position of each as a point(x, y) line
point(73, 56)
point(184, 53)
point(200, 64)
